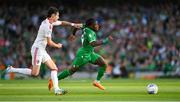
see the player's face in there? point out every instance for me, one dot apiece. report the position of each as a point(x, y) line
point(55, 17)
point(96, 27)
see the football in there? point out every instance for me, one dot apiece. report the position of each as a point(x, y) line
point(152, 88)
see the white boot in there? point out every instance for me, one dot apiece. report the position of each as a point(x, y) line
point(60, 92)
point(9, 69)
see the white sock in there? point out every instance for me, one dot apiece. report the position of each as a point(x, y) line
point(98, 81)
point(25, 71)
point(54, 79)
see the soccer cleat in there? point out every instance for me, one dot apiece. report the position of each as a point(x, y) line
point(98, 85)
point(60, 92)
point(50, 85)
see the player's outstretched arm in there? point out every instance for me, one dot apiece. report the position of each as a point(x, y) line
point(66, 23)
point(76, 25)
point(101, 42)
point(53, 44)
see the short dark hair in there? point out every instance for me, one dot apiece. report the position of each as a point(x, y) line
point(90, 21)
point(52, 10)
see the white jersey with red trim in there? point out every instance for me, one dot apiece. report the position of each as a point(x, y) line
point(45, 31)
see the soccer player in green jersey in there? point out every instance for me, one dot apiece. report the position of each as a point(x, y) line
point(86, 53)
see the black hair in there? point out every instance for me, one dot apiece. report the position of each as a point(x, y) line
point(90, 21)
point(52, 10)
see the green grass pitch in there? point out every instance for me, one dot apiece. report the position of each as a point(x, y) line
point(82, 90)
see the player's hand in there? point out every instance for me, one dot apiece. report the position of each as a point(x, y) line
point(59, 45)
point(110, 38)
point(71, 37)
point(78, 25)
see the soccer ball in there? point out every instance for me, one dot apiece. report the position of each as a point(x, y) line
point(152, 88)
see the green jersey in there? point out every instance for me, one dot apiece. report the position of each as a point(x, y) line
point(88, 36)
point(86, 53)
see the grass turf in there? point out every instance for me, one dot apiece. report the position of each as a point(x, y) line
point(82, 90)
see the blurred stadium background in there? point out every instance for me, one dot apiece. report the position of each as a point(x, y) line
point(149, 32)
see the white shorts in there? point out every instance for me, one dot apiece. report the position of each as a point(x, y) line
point(39, 56)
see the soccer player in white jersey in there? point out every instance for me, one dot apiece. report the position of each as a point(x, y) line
point(38, 50)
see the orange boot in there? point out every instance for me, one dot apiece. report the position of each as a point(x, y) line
point(98, 85)
point(50, 85)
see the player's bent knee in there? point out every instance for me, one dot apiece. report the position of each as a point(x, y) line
point(54, 69)
point(72, 70)
point(35, 74)
point(104, 65)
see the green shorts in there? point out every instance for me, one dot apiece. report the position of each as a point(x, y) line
point(83, 58)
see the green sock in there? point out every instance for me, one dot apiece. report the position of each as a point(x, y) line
point(63, 74)
point(100, 73)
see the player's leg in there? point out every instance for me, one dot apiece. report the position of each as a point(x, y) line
point(54, 78)
point(52, 66)
point(77, 63)
point(25, 71)
point(53, 69)
point(36, 62)
point(98, 60)
point(65, 73)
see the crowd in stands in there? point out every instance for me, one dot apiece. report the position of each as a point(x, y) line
point(147, 38)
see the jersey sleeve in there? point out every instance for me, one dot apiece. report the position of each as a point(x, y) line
point(47, 31)
point(57, 23)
